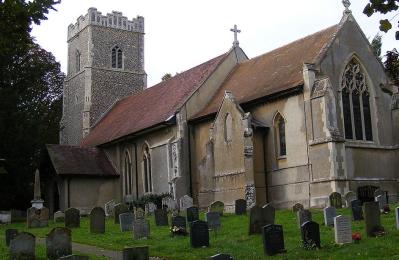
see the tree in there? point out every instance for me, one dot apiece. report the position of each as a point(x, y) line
point(30, 98)
point(392, 65)
point(384, 7)
point(376, 45)
point(166, 76)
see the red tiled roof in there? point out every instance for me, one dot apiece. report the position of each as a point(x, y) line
point(273, 72)
point(151, 106)
point(77, 160)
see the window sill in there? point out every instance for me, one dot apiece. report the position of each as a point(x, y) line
point(282, 157)
point(369, 145)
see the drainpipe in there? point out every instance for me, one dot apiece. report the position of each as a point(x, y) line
point(264, 163)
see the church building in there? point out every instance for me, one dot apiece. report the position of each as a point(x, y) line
point(316, 116)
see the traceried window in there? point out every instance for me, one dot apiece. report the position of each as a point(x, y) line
point(279, 124)
point(127, 175)
point(147, 170)
point(356, 103)
point(116, 55)
point(228, 127)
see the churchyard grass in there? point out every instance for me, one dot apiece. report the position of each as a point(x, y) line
point(233, 239)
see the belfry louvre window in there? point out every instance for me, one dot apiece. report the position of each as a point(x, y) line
point(356, 103)
point(117, 58)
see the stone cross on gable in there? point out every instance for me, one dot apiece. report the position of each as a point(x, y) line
point(347, 4)
point(236, 31)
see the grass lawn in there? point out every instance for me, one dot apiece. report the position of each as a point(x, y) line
point(233, 239)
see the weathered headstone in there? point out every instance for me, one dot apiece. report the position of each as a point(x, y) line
point(36, 218)
point(397, 217)
point(97, 220)
point(297, 207)
point(303, 216)
point(217, 206)
point(59, 216)
point(192, 214)
point(72, 218)
point(150, 208)
point(259, 217)
point(58, 243)
point(378, 192)
point(119, 209)
point(74, 257)
point(199, 234)
point(240, 207)
point(136, 253)
point(371, 217)
point(356, 209)
point(335, 200)
point(342, 230)
point(222, 257)
point(169, 203)
point(10, 234)
point(310, 235)
point(273, 239)
point(185, 202)
point(126, 221)
point(109, 208)
point(329, 214)
point(380, 200)
point(141, 227)
point(22, 246)
point(161, 217)
point(213, 220)
point(349, 196)
point(179, 222)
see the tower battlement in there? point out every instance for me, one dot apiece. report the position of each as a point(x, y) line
point(112, 20)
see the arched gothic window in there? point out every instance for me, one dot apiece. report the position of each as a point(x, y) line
point(127, 175)
point(117, 58)
point(279, 124)
point(356, 103)
point(77, 60)
point(228, 127)
point(147, 170)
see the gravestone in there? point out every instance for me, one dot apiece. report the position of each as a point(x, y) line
point(217, 206)
point(397, 217)
point(179, 222)
point(119, 209)
point(222, 257)
point(72, 218)
point(109, 208)
point(161, 217)
point(192, 214)
point(213, 220)
point(366, 193)
point(10, 234)
point(59, 216)
point(259, 217)
point(378, 192)
point(185, 202)
point(74, 257)
point(22, 246)
point(36, 218)
point(356, 209)
point(58, 243)
point(169, 203)
point(371, 217)
point(381, 201)
point(297, 207)
point(273, 239)
point(349, 196)
point(150, 208)
point(310, 235)
point(329, 214)
point(303, 216)
point(342, 230)
point(136, 253)
point(240, 207)
point(199, 234)
point(141, 227)
point(126, 221)
point(335, 200)
point(97, 220)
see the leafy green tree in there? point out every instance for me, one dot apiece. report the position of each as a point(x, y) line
point(383, 7)
point(392, 65)
point(166, 76)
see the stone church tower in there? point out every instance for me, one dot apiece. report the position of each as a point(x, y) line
point(105, 64)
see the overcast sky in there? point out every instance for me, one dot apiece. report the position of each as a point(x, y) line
point(181, 34)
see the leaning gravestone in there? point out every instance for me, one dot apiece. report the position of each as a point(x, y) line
point(349, 196)
point(213, 220)
point(335, 200)
point(222, 257)
point(10, 234)
point(119, 209)
point(356, 209)
point(126, 221)
point(273, 239)
point(217, 206)
point(297, 207)
point(136, 253)
point(58, 243)
point(192, 214)
point(72, 218)
point(397, 217)
point(97, 220)
point(22, 246)
point(161, 217)
point(303, 216)
point(259, 217)
point(185, 202)
point(310, 235)
point(37, 217)
point(59, 216)
point(109, 208)
point(199, 234)
point(342, 230)
point(329, 214)
point(240, 207)
point(371, 217)
point(141, 227)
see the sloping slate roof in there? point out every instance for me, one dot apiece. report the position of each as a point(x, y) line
point(273, 72)
point(77, 160)
point(151, 106)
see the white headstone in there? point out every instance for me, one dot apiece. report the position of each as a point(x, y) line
point(185, 202)
point(109, 208)
point(343, 230)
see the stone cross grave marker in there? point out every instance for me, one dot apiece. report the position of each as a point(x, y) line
point(335, 200)
point(161, 217)
point(297, 207)
point(217, 206)
point(349, 196)
point(185, 202)
point(310, 235)
point(23, 246)
point(37, 218)
point(126, 221)
point(213, 220)
point(192, 214)
point(222, 257)
point(397, 217)
point(58, 243)
point(371, 217)
point(342, 230)
point(72, 218)
point(119, 209)
point(139, 253)
point(59, 216)
point(356, 209)
point(199, 234)
point(109, 208)
point(141, 227)
point(303, 216)
point(259, 217)
point(97, 220)
point(329, 214)
point(240, 207)
point(10, 234)
point(273, 239)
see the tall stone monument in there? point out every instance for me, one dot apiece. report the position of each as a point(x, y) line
point(37, 201)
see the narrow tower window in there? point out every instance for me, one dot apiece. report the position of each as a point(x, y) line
point(117, 58)
point(147, 170)
point(128, 176)
point(279, 124)
point(77, 59)
point(228, 125)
